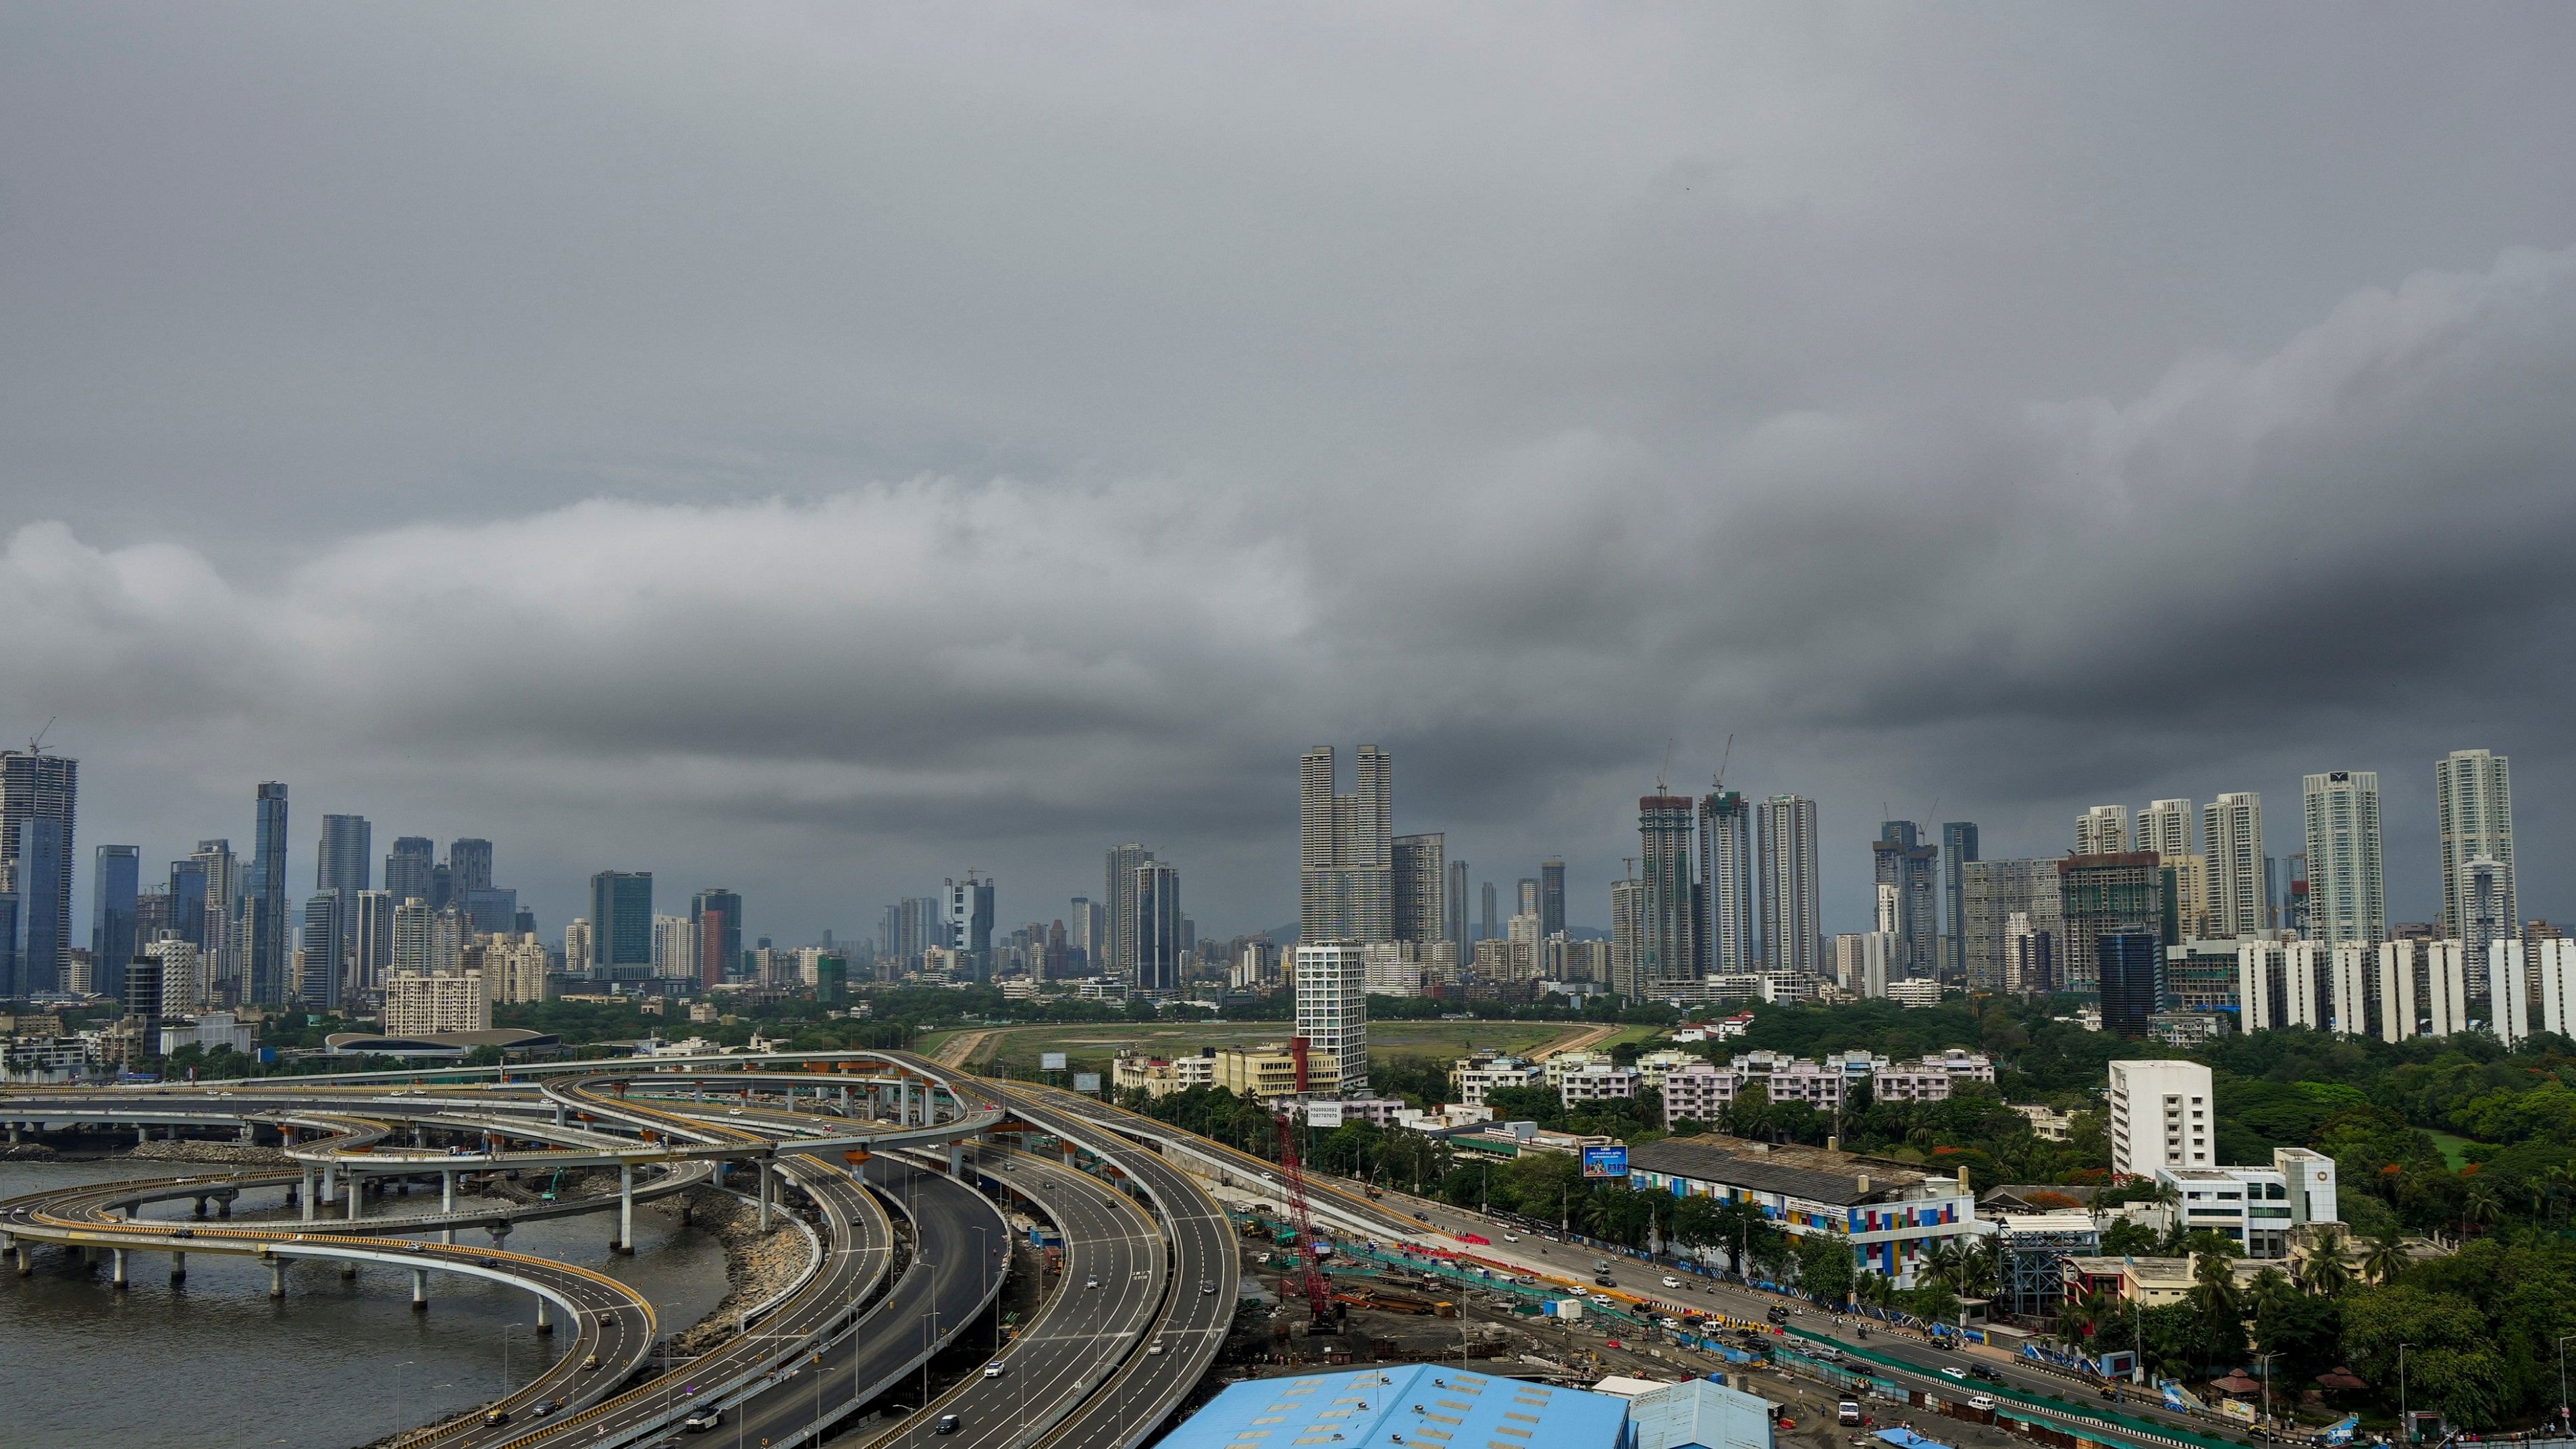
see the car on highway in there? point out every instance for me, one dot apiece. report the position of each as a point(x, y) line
point(496, 1416)
point(1090, 1282)
point(1982, 1401)
point(1206, 1287)
point(1155, 1351)
point(1955, 1372)
point(947, 1424)
point(1511, 1237)
point(591, 1362)
point(1672, 1282)
point(548, 1407)
point(702, 1420)
point(996, 1369)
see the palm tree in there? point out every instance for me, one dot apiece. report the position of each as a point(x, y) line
point(2385, 1260)
point(1980, 1273)
point(2481, 1207)
point(2272, 1290)
point(1942, 1261)
point(1873, 1288)
point(2323, 1271)
point(2213, 1290)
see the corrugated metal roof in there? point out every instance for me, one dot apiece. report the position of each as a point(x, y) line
point(1415, 1406)
point(1702, 1162)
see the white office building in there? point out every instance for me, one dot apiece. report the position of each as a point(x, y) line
point(2423, 989)
point(2257, 1206)
point(1332, 1016)
point(2165, 828)
point(2347, 892)
point(2102, 830)
point(2473, 798)
point(2231, 831)
point(2554, 963)
point(2163, 1114)
point(2508, 1002)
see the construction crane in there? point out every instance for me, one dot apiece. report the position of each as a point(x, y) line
point(1310, 1281)
point(1718, 783)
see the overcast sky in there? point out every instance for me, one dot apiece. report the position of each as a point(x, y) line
point(818, 450)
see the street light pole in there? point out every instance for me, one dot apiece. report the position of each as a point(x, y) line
point(2265, 1361)
point(2405, 1421)
point(2563, 1416)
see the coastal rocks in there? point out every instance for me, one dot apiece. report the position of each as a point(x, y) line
point(757, 1265)
point(26, 1152)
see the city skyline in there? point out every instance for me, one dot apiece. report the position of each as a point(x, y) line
point(1526, 443)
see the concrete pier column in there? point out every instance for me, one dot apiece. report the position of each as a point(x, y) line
point(545, 1314)
point(559, 1114)
point(307, 1198)
point(248, 1133)
point(845, 1101)
point(13, 1131)
point(25, 1264)
point(791, 1096)
point(142, 1134)
point(116, 1275)
point(349, 1271)
point(447, 1202)
point(277, 1277)
point(357, 1195)
point(178, 1267)
point(903, 1102)
point(957, 1160)
point(764, 1196)
point(199, 1211)
point(224, 1202)
point(330, 1180)
point(420, 1290)
point(626, 1207)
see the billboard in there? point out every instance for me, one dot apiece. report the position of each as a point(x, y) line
point(1086, 1081)
point(1605, 1161)
point(1051, 1061)
point(1323, 1114)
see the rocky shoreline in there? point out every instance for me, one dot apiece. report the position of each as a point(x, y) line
point(27, 1152)
point(757, 1265)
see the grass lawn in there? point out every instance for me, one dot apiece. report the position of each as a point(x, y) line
point(1089, 1046)
point(2453, 1148)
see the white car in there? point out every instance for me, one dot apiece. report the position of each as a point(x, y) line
point(1090, 1282)
point(1154, 1352)
point(1672, 1282)
point(1511, 1237)
point(1955, 1373)
point(995, 1369)
point(1982, 1401)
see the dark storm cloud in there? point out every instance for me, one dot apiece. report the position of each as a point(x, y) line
point(825, 450)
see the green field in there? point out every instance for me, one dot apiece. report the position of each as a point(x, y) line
point(2454, 1149)
point(1089, 1046)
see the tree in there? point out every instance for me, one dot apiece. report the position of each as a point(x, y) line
point(2213, 1296)
point(2481, 1206)
point(2323, 1271)
point(2128, 1238)
point(2451, 1362)
point(2385, 1259)
point(1825, 1268)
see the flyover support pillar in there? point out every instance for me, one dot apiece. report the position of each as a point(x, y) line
point(330, 1180)
point(845, 1100)
point(142, 1134)
point(420, 1290)
point(447, 1202)
point(277, 1277)
point(545, 1314)
point(957, 1160)
point(559, 1114)
point(178, 1267)
point(764, 1195)
point(307, 1198)
point(903, 1103)
point(357, 1193)
point(26, 1265)
point(247, 1133)
point(116, 1274)
point(626, 1207)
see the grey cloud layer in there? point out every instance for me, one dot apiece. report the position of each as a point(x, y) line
point(826, 451)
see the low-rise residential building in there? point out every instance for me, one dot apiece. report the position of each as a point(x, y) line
point(1916, 992)
point(1888, 1213)
point(1913, 1083)
point(1599, 1082)
point(1552, 1072)
point(1261, 1072)
point(1654, 1065)
point(207, 1033)
point(1700, 1093)
point(2047, 1122)
point(1470, 1078)
point(1818, 1086)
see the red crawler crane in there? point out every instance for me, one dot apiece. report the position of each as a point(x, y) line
point(1311, 1281)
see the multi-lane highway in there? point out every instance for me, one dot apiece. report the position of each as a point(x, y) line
point(1097, 1368)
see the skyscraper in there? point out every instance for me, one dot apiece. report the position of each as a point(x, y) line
point(2473, 796)
point(371, 941)
point(1667, 949)
point(1551, 898)
point(2111, 894)
point(1958, 849)
point(716, 913)
point(2347, 895)
point(221, 951)
point(1526, 896)
point(1120, 897)
point(2102, 830)
point(1787, 886)
point(264, 909)
point(469, 865)
point(318, 951)
point(342, 862)
point(1489, 927)
point(1457, 903)
point(2231, 834)
point(411, 935)
point(969, 910)
point(36, 864)
point(2165, 828)
point(1993, 894)
point(1731, 933)
point(114, 882)
point(1900, 859)
point(2130, 967)
point(188, 901)
point(621, 925)
point(1627, 935)
point(408, 867)
point(1422, 888)
point(1346, 848)
point(1157, 929)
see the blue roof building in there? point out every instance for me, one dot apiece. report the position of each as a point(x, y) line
point(1410, 1406)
